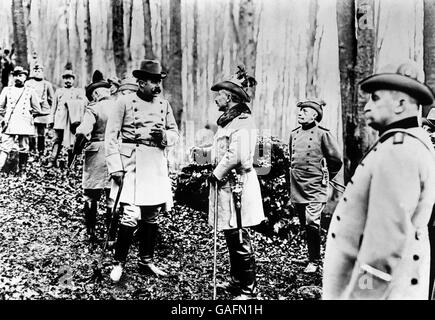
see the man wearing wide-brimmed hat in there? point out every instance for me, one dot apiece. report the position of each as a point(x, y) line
point(138, 132)
point(377, 245)
point(19, 105)
point(232, 153)
point(60, 119)
point(45, 92)
point(90, 140)
point(315, 158)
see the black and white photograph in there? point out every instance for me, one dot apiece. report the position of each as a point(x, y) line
point(232, 151)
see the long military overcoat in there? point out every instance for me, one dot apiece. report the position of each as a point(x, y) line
point(95, 173)
point(307, 148)
point(45, 93)
point(377, 246)
point(19, 105)
point(234, 148)
point(128, 149)
point(59, 111)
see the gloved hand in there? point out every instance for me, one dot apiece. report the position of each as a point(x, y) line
point(50, 125)
point(73, 127)
point(159, 134)
point(118, 177)
point(79, 143)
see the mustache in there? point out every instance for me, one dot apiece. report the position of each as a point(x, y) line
point(156, 90)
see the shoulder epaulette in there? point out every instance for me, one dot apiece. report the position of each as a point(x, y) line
point(296, 128)
point(326, 129)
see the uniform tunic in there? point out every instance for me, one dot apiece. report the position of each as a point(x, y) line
point(45, 93)
point(18, 105)
point(95, 174)
point(377, 246)
point(146, 180)
point(234, 148)
point(59, 111)
point(307, 148)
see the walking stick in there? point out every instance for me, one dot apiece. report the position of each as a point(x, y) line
point(97, 274)
point(215, 238)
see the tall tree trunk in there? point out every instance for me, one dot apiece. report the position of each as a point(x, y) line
point(347, 59)
point(429, 47)
point(148, 40)
point(364, 67)
point(247, 38)
point(195, 61)
point(88, 41)
point(20, 37)
point(118, 37)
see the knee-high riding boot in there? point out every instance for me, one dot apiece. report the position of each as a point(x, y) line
point(147, 243)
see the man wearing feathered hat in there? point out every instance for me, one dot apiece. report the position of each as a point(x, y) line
point(232, 152)
point(45, 92)
point(138, 132)
point(90, 139)
point(60, 119)
point(377, 246)
point(315, 158)
point(19, 105)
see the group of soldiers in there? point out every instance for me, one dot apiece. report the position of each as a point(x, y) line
point(378, 242)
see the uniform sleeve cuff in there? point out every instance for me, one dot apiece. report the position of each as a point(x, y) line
point(114, 163)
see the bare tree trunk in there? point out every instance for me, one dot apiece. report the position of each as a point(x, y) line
point(20, 37)
point(173, 83)
point(88, 41)
point(429, 47)
point(311, 67)
point(118, 37)
point(148, 42)
point(195, 51)
point(347, 60)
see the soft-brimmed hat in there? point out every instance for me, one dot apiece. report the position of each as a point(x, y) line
point(128, 84)
point(318, 106)
point(237, 84)
point(97, 82)
point(404, 80)
point(149, 69)
point(19, 70)
point(68, 73)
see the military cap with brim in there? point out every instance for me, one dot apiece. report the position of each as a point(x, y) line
point(233, 88)
point(149, 69)
point(19, 70)
point(68, 73)
point(313, 105)
point(97, 82)
point(398, 82)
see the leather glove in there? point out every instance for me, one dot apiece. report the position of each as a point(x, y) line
point(73, 127)
point(158, 134)
point(79, 143)
point(118, 177)
point(50, 125)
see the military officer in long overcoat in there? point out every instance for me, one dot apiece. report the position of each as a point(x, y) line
point(45, 92)
point(233, 148)
point(314, 159)
point(59, 113)
point(377, 245)
point(138, 132)
point(90, 139)
point(19, 105)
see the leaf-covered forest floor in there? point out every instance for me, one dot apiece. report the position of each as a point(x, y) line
point(45, 253)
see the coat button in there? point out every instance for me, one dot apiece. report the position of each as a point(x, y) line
point(312, 131)
point(134, 100)
point(338, 218)
point(163, 119)
point(162, 111)
point(161, 102)
point(309, 146)
point(415, 257)
point(311, 138)
point(333, 235)
point(135, 109)
point(344, 199)
point(308, 154)
point(414, 281)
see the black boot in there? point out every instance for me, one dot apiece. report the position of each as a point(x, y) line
point(22, 163)
point(32, 144)
point(147, 243)
point(55, 151)
point(41, 145)
point(313, 244)
point(90, 219)
point(242, 264)
point(125, 238)
point(112, 227)
point(70, 155)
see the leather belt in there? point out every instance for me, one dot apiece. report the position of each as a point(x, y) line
point(144, 142)
point(242, 170)
point(96, 139)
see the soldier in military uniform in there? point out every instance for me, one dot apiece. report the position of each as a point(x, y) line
point(59, 118)
point(18, 107)
point(315, 158)
point(90, 139)
point(377, 245)
point(138, 132)
point(45, 92)
point(233, 148)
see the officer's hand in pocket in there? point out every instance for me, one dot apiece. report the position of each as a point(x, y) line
point(118, 177)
